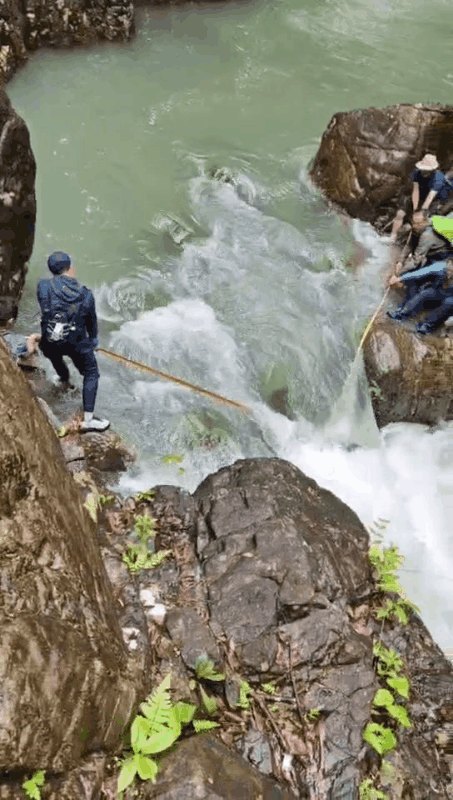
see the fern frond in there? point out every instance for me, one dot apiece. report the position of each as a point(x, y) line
point(202, 725)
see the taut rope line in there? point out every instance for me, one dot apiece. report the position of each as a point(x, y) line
point(217, 398)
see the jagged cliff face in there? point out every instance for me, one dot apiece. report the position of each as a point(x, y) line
point(28, 24)
point(17, 206)
point(65, 678)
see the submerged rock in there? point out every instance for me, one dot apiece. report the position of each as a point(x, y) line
point(366, 158)
point(410, 376)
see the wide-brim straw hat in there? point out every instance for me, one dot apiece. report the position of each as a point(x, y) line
point(428, 162)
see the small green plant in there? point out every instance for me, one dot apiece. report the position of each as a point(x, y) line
point(103, 499)
point(138, 556)
point(32, 786)
point(145, 497)
point(208, 704)
point(269, 688)
point(369, 792)
point(203, 725)
point(384, 699)
point(153, 731)
point(313, 714)
point(380, 738)
point(386, 562)
point(62, 431)
point(389, 666)
point(244, 691)
point(205, 669)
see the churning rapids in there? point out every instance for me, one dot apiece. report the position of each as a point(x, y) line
point(241, 284)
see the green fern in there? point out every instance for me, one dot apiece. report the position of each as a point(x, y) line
point(144, 497)
point(369, 792)
point(269, 688)
point(154, 730)
point(205, 669)
point(144, 527)
point(209, 704)
point(31, 787)
point(244, 691)
point(203, 725)
point(136, 558)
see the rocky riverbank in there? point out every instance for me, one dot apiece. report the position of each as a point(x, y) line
point(263, 573)
point(364, 167)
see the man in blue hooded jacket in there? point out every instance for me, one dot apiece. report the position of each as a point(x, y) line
point(69, 328)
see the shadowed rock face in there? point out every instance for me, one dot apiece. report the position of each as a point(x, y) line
point(411, 378)
point(17, 207)
point(64, 682)
point(29, 24)
point(365, 160)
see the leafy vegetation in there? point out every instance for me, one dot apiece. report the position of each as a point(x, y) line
point(145, 497)
point(153, 731)
point(205, 669)
point(32, 786)
point(389, 665)
point(269, 688)
point(313, 714)
point(244, 692)
point(386, 562)
point(138, 556)
point(368, 791)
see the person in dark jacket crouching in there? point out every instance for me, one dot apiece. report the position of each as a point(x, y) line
point(426, 288)
point(69, 328)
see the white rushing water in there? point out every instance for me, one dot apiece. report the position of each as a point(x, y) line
point(242, 287)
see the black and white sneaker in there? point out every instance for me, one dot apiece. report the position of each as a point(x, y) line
point(95, 424)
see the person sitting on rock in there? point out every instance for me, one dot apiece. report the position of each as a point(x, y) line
point(434, 243)
point(428, 183)
point(69, 328)
point(426, 288)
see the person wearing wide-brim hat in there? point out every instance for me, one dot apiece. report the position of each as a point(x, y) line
point(427, 183)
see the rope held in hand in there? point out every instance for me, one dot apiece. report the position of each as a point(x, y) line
point(218, 398)
point(368, 327)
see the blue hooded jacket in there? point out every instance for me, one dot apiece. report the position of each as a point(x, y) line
point(57, 294)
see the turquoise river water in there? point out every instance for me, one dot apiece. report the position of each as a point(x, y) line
point(241, 286)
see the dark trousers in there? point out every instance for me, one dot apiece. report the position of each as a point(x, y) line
point(84, 360)
point(426, 298)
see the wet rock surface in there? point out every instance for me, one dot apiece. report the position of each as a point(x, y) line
point(266, 574)
point(30, 24)
point(17, 206)
point(410, 376)
point(366, 158)
point(63, 664)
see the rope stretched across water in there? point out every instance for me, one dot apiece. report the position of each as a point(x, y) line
point(217, 398)
point(369, 325)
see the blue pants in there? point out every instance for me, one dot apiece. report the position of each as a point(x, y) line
point(84, 360)
point(425, 298)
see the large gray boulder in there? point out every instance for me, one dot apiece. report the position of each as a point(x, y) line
point(365, 160)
